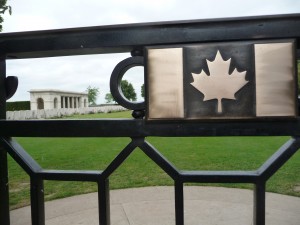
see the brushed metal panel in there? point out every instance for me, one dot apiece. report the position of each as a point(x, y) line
point(165, 83)
point(275, 80)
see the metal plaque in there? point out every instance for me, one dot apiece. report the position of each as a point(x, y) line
point(221, 80)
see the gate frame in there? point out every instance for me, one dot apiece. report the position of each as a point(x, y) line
point(133, 38)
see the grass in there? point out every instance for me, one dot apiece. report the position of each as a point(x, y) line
point(222, 153)
point(122, 114)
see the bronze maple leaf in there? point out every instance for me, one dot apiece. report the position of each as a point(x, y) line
point(220, 84)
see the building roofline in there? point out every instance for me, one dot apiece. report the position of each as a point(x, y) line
point(56, 91)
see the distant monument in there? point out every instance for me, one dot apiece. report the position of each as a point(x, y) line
point(56, 99)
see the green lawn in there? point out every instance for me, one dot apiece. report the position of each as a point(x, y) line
point(223, 153)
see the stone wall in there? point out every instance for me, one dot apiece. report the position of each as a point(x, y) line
point(57, 113)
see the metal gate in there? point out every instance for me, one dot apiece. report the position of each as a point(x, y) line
point(147, 44)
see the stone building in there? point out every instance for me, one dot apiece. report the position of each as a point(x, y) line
point(56, 99)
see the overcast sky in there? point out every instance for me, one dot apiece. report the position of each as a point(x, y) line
point(76, 73)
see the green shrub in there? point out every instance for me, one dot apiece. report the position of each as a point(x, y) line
point(17, 106)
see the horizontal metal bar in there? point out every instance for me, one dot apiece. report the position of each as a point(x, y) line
point(70, 175)
point(124, 38)
point(141, 128)
point(219, 176)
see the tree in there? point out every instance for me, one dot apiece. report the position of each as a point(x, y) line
point(92, 94)
point(143, 90)
point(109, 98)
point(128, 90)
point(3, 8)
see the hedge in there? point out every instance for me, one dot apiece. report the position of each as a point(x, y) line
point(17, 106)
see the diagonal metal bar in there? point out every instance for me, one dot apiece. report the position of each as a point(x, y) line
point(121, 158)
point(160, 160)
point(20, 156)
point(279, 158)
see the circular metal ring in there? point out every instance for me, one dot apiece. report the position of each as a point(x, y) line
point(116, 78)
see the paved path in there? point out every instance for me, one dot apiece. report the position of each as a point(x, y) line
point(155, 206)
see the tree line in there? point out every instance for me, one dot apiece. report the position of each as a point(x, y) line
point(127, 90)
point(3, 8)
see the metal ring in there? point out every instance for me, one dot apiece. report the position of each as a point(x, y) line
point(116, 78)
point(11, 86)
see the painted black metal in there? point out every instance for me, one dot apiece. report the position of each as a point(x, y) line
point(279, 158)
point(138, 114)
point(140, 128)
point(103, 201)
point(116, 78)
point(134, 37)
point(160, 160)
point(125, 38)
point(11, 85)
point(2, 86)
point(179, 203)
point(69, 175)
point(37, 201)
point(29, 165)
point(120, 159)
point(259, 203)
point(219, 176)
point(4, 188)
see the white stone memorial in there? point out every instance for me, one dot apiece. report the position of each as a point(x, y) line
point(57, 99)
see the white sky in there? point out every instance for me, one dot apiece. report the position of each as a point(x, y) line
point(76, 73)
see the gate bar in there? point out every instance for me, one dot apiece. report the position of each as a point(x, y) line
point(4, 189)
point(179, 203)
point(37, 201)
point(104, 202)
point(259, 204)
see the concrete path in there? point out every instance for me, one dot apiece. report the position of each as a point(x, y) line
point(155, 206)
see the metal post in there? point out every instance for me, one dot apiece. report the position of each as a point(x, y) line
point(103, 201)
point(4, 194)
point(37, 201)
point(259, 206)
point(179, 203)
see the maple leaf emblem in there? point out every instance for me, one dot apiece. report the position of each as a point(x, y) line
point(220, 84)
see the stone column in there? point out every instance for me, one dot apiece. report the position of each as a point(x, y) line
point(77, 102)
point(63, 101)
point(68, 103)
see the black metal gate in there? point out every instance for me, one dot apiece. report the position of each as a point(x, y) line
point(134, 38)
